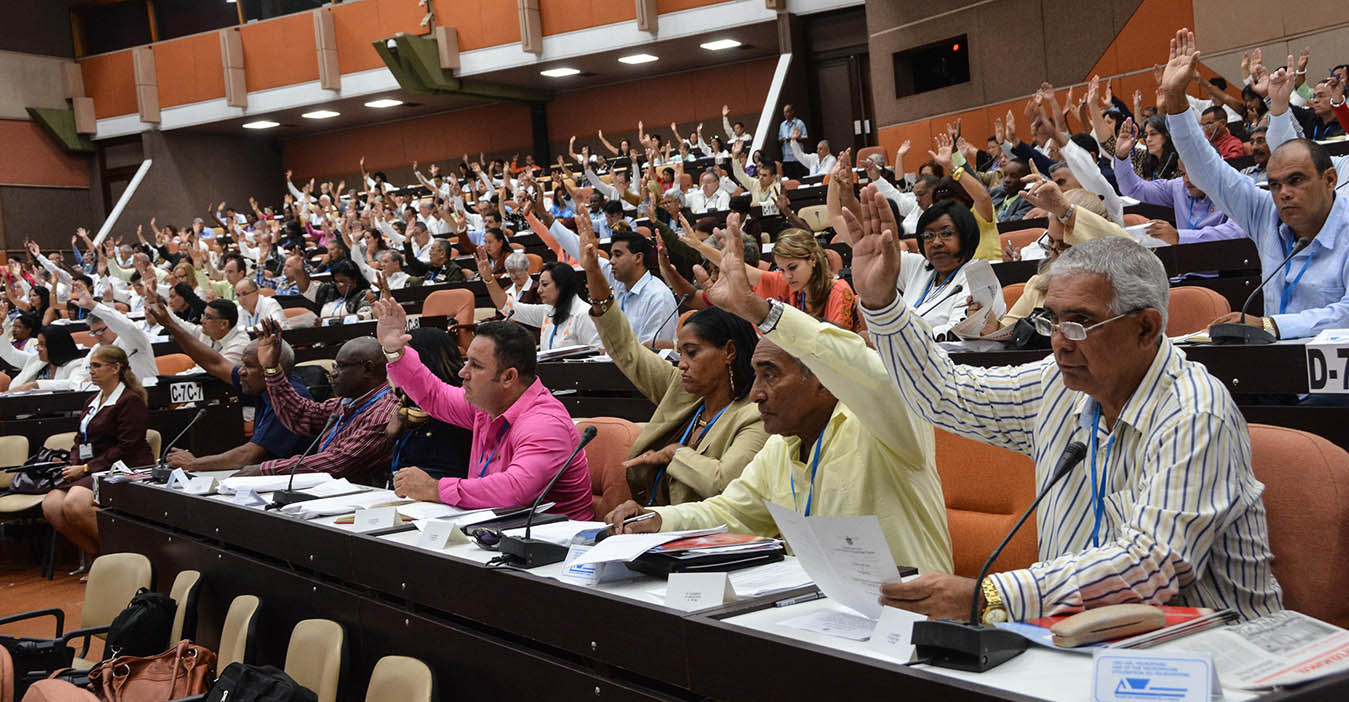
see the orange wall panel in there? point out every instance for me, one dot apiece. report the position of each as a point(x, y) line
point(1143, 41)
point(189, 69)
point(353, 23)
point(664, 6)
point(500, 22)
point(280, 52)
point(109, 79)
point(32, 157)
point(558, 16)
point(920, 139)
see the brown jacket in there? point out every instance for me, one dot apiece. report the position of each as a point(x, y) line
point(117, 433)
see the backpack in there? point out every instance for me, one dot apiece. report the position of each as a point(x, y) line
point(258, 683)
point(142, 629)
point(41, 472)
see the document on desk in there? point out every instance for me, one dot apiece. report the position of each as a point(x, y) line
point(835, 621)
point(560, 533)
point(432, 510)
point(332, 488)
point(271, 483)
point(1276, 650)
point(341, 504)
point(627, 547)
point(847, 557)
point(786, 574)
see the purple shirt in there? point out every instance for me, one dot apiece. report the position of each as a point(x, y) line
point(1197, 219)
point(513, 455)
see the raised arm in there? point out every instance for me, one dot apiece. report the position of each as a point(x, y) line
point(210, 360)
point(946, 155)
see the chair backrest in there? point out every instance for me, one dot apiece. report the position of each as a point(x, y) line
point(314, 656)
point(865, 153)
point(4, 381)
point(1193, 308)
point(835, 260)
point(605, 455)
point(267, 292)
point(63, 441)
point(986, 489)
point(236, 635)
point(1021, 238)
point(401, 679)
point(153, 438)
point(1306, 501)
point(13, 452)
point(791, 184)
point(457, 303)
point(327, 364)
point(174, 363)
point(1012, 293)
point(535, 263)
point(293, 312)
point(184, 594)
point(686, 181)
point(83, 338)
point(114, 579)
point(644, 230)
point(679, 328)
point(817, 216)
point(1132, 219)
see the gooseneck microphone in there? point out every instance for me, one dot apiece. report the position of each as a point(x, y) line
point(289, 496)
point(678, 303)
point(972, 645)
point(1241, 332)
point(530, 553)
point(160, 472)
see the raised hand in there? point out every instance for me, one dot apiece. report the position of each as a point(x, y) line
point(998, 134)
point(725, 110)
point(875, 262)
point(1045, 194)
point(1093, 90)
point(391, 329)
point(269, 343)
point(732, 290)
point(942, 155)
point(1179, 71)
point(1009, 122)
point(1128, 137)
point(1280, 84)
point(484, 264)
point(589, 245)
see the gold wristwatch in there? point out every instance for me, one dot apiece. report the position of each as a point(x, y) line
point(994, 611)
point(1268, 324)
point(270, 371)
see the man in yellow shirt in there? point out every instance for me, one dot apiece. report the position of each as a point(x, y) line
point(839, 447)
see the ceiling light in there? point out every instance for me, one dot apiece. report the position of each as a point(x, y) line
point(261, 124)
point(720, 44)
point(637, 58)
point(559, 72)
point(320, 114)
point(383, 102)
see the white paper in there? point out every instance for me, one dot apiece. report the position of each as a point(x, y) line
point(269, 483)
point(430, 510)
point(626, 547)
point(560, 533)
point(834, 622)
point(248, 498)
point(200, 485)
point(439, 533)
point(177, 480)
point(330, 488)
point(893, 635)
point(983, 287)
point(375, 518)
point(1124, 675)
point(1331, 336)
point(786, 574)
point(342, 504)
point(847, 557)
point(692, 591)
point(1283, 648)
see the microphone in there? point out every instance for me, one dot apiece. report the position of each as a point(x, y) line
point(530, 553)
point(972, 645)
point(160, 472)
point(1242, 333)
point(678, 303)
point(933, 305)
point(290, 496)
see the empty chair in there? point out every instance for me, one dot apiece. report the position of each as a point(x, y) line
point(457, 303)
point(1012, 293)
point(174, 363)
point(817, 216)
point(153, 438)
point(62, 441)
point(13, 452)
point(401, 679)
point(236, 635)
point(986, 490)
point(535, 263)
point(1193, 308)
point(184, 594)
point(314, 656)
point(605, 456)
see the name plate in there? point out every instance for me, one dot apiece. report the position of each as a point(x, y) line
point(1328, 363)
point(893, 635)
point(185, 392)
point(1122, 675)
point(377, 518)
point(690, 591)
point(177, 480)
point(248, 498)
point(438, 533)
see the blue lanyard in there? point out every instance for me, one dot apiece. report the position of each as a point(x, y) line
point(623, 304)
point(683, 441)
point(814, 466)
point(1290, 285)
point(482, 467)
point(929, 287)
point(799, 301)
point(1098, 493)
point(552, 337)
point(333, 434)
point(1190, 219)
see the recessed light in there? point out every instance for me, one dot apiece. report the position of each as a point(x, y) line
point(720, 44)
point(320, 114)
point(261, 124)
point(383, 103)
point(637, 58)
point(559, 72)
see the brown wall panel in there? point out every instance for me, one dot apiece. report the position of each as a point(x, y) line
point(1079, 32)
point(280, 52)
point(48, 216)
point(109, 81)
point(32, 157)
point(664, 6)
point(481, 23)
point(189, 70)
point(559, 16)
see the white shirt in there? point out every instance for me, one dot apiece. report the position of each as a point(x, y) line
point(99, 403)
point(817, 165)
point(264, 308)
point(936, 300)
point(700, 203)
point(231, 346)
point(137, 344)
point(578, 330)
point(513, 292)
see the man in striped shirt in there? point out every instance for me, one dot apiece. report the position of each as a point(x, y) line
point(1165, 510)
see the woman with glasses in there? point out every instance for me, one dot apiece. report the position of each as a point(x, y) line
point(112, 429)
point(347, 293)
point(56, 358)
point(932, 281)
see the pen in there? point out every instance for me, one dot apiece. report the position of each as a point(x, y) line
point(634, 520)
point(799, 599)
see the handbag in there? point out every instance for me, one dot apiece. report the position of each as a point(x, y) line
point(184, 670)
point(240, 682)
point(143, 626)
point(40, 473)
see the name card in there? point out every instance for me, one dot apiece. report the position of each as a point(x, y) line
point(119, 467)
point(893, 635)
point(1123, 675)
point(351, 319)
point(1328, 363)
point(248, 498)
point(201, 485)
point(439, 533)
point(593, 573)
point(186, 392)
point(690, 591)
point(377, 518)
point(177, 480)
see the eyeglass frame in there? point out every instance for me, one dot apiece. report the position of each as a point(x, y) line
point(945, 234)
point(1061, 327)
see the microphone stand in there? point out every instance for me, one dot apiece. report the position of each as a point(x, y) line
point(290, 495)
point(1241, 332)
point(972, 645)
point(531, 553)
point(678, 303)
point(161, 472)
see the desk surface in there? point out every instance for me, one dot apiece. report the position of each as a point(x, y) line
point(620, 633)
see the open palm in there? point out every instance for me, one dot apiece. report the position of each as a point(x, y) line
point(875, 249)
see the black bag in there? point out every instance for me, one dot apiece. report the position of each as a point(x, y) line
point(34, 659)
point(41, 472)
point(257, 683)
point(1024, 335)
point(142, 629)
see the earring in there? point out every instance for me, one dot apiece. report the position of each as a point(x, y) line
point(730, 370)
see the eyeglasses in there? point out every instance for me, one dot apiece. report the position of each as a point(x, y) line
point(97, 332)
point(943, 234)
point(1072, 331)
point(1048, 243)
point(204, 318)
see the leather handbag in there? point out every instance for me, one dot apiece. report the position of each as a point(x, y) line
point(184, 670)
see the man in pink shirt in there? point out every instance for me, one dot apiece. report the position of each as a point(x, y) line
point(1214, 121)
point(521, 433)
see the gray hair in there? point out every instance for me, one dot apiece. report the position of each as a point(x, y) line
point(1134, 273)
point(517, 262)
point(391, 255)
point(878, 159)
point(286, 357)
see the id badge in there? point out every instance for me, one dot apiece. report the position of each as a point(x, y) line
point(86, 452)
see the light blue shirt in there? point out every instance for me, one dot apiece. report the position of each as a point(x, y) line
point(1282, 131)
point(649, 305)
point(785, 132)
point(1308, 293)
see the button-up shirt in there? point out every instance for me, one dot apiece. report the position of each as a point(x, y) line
point(1305, 295)
point(785, 130)
point(876, 457)
point(356, 446)
point(1181, 523)
point(649, 305)
point(514, 455)
point(1281, 131)
point(1197, 218)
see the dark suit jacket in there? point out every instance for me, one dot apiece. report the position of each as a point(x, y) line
point(117, 434)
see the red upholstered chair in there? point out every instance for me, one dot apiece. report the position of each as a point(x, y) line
point(4, 381)
point(791, 184)
point(535, 263)
point(1307, 508)
point(866, 152)
point(605, 456)
point(1012, 293)
point(174, 363)
point(1021, 238)
point(683, 316)
point(835, 260)
point(1133, 219)
point(986, 490)
point(456, 303)
point(1193, 308)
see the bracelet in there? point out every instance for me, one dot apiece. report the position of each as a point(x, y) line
point(270, 371)
point(392, 356)
point(957, 173)
point(599, 307)
point(1337, 104)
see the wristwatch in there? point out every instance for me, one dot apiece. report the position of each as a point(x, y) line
point(994, 611)
point(391, 356)
point(770, 322)
point(270, 371)
point(1067, 215)
point(1268, 324)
